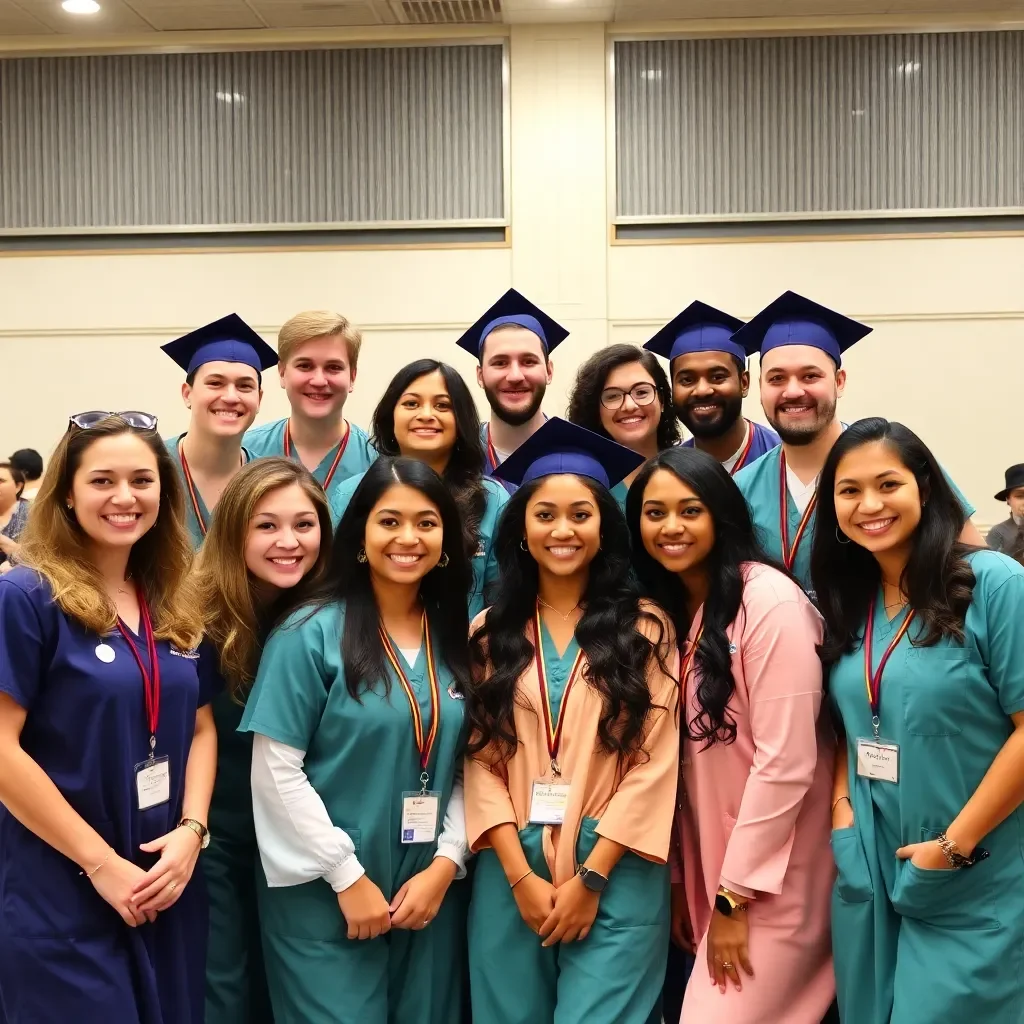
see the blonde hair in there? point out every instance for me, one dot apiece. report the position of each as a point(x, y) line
point(56, 546)
point(306, 326)
point(236, 625)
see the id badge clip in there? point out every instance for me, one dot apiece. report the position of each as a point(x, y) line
point(153, 779)
point(549, 799)
point(420, 811)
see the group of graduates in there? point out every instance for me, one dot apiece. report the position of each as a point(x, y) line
point(523, 722)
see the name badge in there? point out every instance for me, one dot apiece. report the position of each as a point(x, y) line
point(548, 802)
point(419, 816)
point(153, 782)
point(878, 760)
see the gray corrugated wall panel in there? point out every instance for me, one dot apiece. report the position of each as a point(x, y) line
point(309, 137)
point(831, 124)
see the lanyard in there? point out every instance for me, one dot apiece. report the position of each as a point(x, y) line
point(193, 493)
point(789, 553)
point(151, 675)
point(742, 460)
point(342, 445)
point(492, 454)
point(552, 730)
point(688, 659)
point(873, 678)
point(424, 739)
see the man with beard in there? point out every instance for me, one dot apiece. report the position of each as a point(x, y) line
point(801, 345)
point(512, 343)
point(709, 382)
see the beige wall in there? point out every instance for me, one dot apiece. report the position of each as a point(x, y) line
point(83, 332)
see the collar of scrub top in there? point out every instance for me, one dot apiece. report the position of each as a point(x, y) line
point(228, 340)
point(562, 447)
point(699, 328)
point(793, 320)
point(1014, 479)
point(514, 308)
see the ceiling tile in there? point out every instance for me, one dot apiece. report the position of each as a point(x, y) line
point(15, 21)
point(322, 13)
point(196, 15)
point(114, 17)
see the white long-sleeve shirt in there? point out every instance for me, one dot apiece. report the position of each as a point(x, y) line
point(297, 840)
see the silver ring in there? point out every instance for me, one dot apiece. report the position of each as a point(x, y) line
point(725, 963)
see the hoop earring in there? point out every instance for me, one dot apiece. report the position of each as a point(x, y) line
point(522, 544)
point(361, 556)
point(442, 562)
point(840, 538)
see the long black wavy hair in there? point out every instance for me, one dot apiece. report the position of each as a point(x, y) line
point(585, 399)
point(465, 469)
point(735, 543)
point(442, 591)
point(618, 653)
point(938, 580)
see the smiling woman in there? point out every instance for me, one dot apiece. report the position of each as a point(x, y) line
point(91, 785)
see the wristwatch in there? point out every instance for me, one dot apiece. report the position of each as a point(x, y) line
point(727, 904)
point(592, 879)
point(200, 830)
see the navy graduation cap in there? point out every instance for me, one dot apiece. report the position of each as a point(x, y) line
point(562, 447)
point(229, 340)
point(513, 308)
point(793, 320)
point(699, 328)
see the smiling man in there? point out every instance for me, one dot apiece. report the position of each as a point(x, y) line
point(318, 354)
point(709, 382)
point(801, 344)
point(223, 362)
point(512, 342)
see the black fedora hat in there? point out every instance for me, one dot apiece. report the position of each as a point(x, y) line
point(1014, 479)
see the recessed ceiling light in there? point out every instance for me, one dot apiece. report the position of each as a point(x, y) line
point(80, 6)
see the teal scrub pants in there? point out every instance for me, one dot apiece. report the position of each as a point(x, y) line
point(236, 986)
point(319, 976)
point(614, 974)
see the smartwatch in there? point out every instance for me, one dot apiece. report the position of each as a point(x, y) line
point(592, 879)
point(727, 904)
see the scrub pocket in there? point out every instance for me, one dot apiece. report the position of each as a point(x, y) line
point(935, 700)
point(853, 883)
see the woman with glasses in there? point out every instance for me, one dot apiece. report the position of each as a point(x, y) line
point(427, 413)
point(622, 393)
point(107, 748)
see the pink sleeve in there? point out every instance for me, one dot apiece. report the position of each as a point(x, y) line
point(783, 678)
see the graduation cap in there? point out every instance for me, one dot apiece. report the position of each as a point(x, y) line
point(228, 340)
point(513, 308)
point(562, 447)
point(793, 320)
point(699, 328)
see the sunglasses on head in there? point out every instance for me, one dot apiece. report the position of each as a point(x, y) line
point(134, 418)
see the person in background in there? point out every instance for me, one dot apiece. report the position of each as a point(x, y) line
point(359, 731)
point(622, 393)
point(107, 746)
point(1008, 536)
point(512, 343)
point(709, 382)
point(925, 661)
point(757, 755)
point(30, 463)
point(802, 379)
point(13, 509)
point(223, 363)
point(571, 780)
point(428, 413)
point(318, 353)
point(267, 548)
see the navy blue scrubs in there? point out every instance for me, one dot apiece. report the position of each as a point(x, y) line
point(65, 954)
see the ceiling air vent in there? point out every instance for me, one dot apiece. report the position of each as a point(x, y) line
point(448, 12)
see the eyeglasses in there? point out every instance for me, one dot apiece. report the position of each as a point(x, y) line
point(134, 418)
point(642, 394)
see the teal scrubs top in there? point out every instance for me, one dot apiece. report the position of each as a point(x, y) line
point(912, 944)
point(620, 492)
point(197, 515)
point(485, 562)
point(268, 439)
point(557, 667)
point(759, 484)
